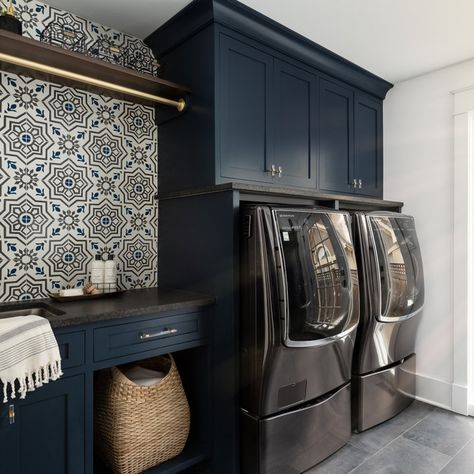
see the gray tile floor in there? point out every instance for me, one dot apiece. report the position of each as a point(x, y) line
point(420, 440)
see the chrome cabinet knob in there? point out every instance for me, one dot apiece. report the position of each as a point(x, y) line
point(360, 184)
point(280, 171)
point(354, 183)
point(273, 170)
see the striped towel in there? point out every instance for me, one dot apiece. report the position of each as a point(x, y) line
point(29, 355)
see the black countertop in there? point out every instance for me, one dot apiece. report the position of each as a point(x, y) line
point(248, 191)
point(128, 304)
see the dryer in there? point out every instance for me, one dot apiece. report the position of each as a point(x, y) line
point(392, 298)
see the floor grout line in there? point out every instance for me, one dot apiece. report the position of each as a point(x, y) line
point(459, 450)
point(390, 442)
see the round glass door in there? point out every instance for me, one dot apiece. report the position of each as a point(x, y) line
point(317, 249)
point(400, 266)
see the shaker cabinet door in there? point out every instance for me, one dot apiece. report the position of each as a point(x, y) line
point(46, 435)
point(336, 137)
point(243, 111)
point(295, 126)
point(368, 152)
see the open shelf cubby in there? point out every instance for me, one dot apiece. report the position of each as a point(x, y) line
point(193, 367)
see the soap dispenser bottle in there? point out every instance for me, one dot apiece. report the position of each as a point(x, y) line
point(97, 272)
point(110, 274)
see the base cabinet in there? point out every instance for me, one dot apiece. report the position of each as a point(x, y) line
point(45, 432)
point(51, 430)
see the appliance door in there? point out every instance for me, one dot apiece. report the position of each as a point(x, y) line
point(317, 275)
point(398, 266)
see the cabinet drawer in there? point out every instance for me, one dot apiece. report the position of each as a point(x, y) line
point(131, 338)
point(71, 347)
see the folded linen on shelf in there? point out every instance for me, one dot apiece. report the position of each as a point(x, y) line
point(143, 376)
point(29, 355)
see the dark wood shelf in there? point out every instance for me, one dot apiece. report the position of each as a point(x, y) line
point(55, 57)
point(191, 456)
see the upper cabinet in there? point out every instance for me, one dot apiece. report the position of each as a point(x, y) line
point(268, 107)
point(295, 126)
point(351, 141)
point(368, 144)
point(336, 151)
point(245, 100)
point(265, 133)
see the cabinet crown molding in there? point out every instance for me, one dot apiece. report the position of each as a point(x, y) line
point(201, 13)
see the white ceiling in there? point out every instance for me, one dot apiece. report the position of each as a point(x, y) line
point(395, 39)
point(136, 17)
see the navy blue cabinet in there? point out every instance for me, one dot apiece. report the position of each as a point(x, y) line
point(268, 107)
point(244, 111)
point(45, 432)
point(368, 153)
point(336, 137)
point(351, 154)
point(266, 118)
point(295, 126)
point(51, 430)
point(269, 119)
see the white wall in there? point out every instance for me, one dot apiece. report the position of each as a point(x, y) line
point(419, 170)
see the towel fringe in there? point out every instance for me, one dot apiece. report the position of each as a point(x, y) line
point(32, 380)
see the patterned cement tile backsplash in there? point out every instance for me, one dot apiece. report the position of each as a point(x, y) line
point(78, 175)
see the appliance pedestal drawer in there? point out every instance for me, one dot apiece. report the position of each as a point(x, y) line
point(138, 337)
point(294, 441)
point(383, 394)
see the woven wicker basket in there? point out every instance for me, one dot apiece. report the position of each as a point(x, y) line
point(137, 427)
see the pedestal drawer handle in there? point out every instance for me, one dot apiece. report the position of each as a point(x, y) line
point(165, 332)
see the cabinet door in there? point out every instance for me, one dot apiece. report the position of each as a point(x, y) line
point(295, 128)
point(47, 435)
point(336, 137)
point(243, 111)
point(9, 442)
point(368, 153)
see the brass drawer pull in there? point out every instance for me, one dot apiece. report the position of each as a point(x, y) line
point(11, 414)
point(165, 332)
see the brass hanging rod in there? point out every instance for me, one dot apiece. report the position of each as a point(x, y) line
point(179, 104)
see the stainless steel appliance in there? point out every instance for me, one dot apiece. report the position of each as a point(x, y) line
point(299, 315)
point(392, 297)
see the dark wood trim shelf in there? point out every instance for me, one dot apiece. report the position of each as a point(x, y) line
point(71, 62)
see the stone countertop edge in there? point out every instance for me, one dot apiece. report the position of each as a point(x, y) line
point(132, 303)
point(281, 191)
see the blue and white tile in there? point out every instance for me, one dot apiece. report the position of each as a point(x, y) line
point(78, 175)
point(138, 122)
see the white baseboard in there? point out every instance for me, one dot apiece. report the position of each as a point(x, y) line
point(459, 402)
point(434, 392)
point(449, 396)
